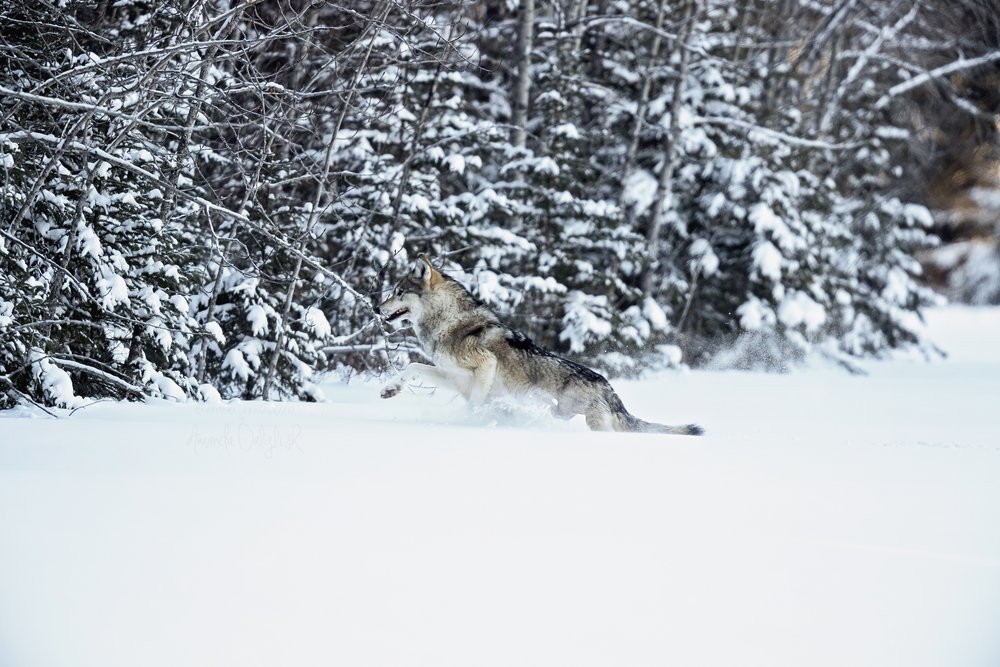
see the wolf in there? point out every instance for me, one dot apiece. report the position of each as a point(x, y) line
point(480, 357)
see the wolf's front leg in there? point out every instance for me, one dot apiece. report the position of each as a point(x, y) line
point(454, 380)
point(483, 378)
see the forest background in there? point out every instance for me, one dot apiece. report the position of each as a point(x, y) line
point(204, 198)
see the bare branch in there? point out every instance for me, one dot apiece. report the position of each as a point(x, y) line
point(937, 73)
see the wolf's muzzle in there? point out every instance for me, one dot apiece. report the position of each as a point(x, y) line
point(397, 314)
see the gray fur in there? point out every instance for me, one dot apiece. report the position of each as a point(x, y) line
point(482, 358)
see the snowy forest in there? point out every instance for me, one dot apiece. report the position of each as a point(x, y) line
point(204, 198)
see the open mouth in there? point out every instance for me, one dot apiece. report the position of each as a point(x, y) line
point(398, 314)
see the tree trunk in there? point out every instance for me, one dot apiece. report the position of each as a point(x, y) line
point(671, 155)
point(522, 87)
point(643, 104)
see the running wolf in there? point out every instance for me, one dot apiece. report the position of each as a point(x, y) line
point(482, 358)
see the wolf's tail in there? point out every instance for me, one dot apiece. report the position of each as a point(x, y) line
point(623, 420)
point(634, 424)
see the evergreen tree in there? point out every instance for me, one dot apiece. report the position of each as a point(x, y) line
point(202, 198)
point(106, 306)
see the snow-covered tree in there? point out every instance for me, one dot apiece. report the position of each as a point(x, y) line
point(96, 280)
point(203, 197)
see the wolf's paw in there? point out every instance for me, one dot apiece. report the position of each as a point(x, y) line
point(391, 390)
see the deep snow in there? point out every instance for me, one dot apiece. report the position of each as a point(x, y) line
point(825, 519)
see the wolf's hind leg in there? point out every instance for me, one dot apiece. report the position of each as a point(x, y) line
point(560, 410)
point(599, 418)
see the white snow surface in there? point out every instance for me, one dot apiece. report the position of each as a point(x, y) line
point(825, 519)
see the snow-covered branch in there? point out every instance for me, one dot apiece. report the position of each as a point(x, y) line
point(886, 35)
point(98, 373)
point(757, 132)
point(936, 73)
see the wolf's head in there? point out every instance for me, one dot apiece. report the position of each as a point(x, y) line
point(412, 296)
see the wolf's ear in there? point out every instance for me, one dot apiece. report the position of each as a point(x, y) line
point(431, 275)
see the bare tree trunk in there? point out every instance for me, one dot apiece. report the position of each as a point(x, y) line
point(831, 74)
point(599, 42)
point(743, 13)
point(522, 88)
point(575, 21)
point(671, 154)
point(774, 55)
point(643, 104)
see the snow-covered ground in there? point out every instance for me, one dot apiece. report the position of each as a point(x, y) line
point(825, 519)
